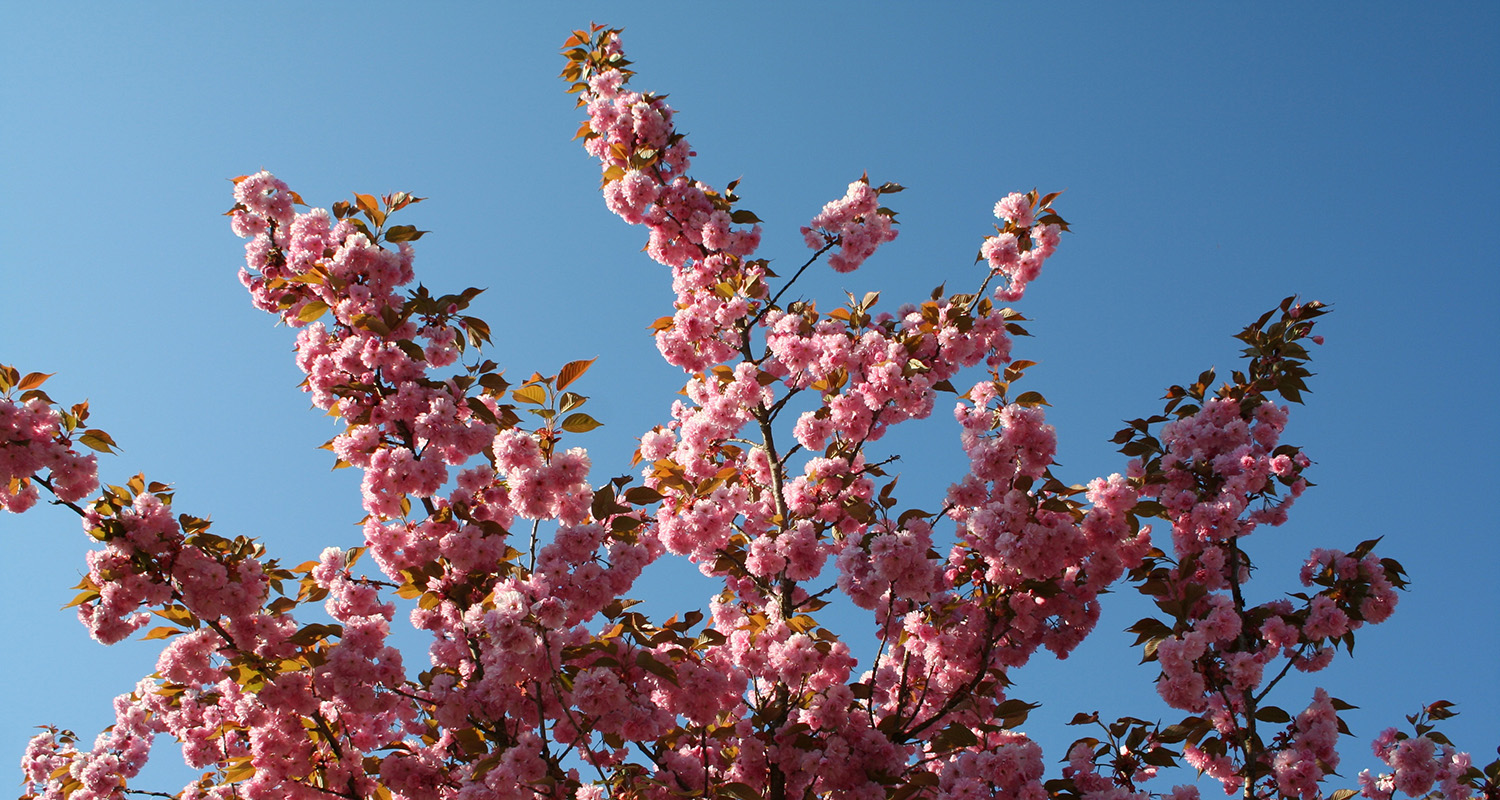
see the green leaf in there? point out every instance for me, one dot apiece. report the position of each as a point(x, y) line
point(403, 233)
point(647, 662)
point(479, 330)
point(494, 382)
point(371, 323)
point(642, 496)
point(239, 769)
point(954, 737)
point(1273, 714)
point(1014, 712)
point(481, 411)
point(311, 311)
point(411, 349)
point(1032, 400)
point(739, 791)
point(97, 440)
point(534, 394)
point(86, 596)
point(580, 423)
point(1149, 508)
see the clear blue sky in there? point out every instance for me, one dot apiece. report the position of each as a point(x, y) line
point(1215, 158)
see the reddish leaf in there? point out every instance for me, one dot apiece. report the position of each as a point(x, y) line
point(33, 380)
point(572, 371)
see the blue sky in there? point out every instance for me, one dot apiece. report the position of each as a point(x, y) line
point(1216, 159)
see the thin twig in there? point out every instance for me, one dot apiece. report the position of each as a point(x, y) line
point(825, 248)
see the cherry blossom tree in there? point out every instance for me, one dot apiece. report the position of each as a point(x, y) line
point(541, 680)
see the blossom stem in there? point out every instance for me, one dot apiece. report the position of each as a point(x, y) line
point(825, 248)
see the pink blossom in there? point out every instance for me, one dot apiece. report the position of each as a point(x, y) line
point(854, 223)
point(1017, 209)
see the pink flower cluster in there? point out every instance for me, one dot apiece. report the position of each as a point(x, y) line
point(746, 516)
point(354, 683)
point(98, 774)
point(1301, 765)
point(1019, 250)
point(645, 163)
point(404, 431)
point(691, 226)
point(205, 691)
point(1007, 764)
point(1419, 765)
point(1219, 462)
point(288, 261)
point(1218, 472)
point(147, 561)
point(1013, 536)
point(702, 331)
point(1217, 480)
point(541, 676)
point(543, 489)
point(32, 440)
point(854, 223)
point(1358, 590)
point(206, 701)
point(888, 370)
